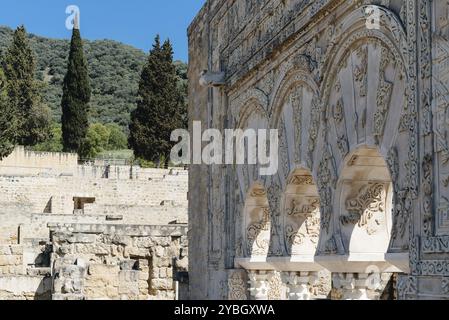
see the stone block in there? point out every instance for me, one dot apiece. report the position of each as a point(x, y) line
point(129, 283)
point(155, 272)
point(162, 262)
point(69, 297)
point(128, 276)
point(10, 260)
point(163, 272)
point(103, 269)
point(128, 264)
point(160, 251)
point(144, 275)
point(96, 249)
point(112, 292)
point(122, 240)
point(145, 242)
point(162, 284)
point(136, 252)
point(81, 238)
point(164, 295)
point(144, 285)
point(5, 250)
point(144, 263)
point(182, 264)
point(96, 292)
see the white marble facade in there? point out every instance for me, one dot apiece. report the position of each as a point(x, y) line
point(359, 208)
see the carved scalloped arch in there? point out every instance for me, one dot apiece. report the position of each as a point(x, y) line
point(248, 176)
point(290, 76)
point(244, 104)
point(353, 29)
point(353, 34)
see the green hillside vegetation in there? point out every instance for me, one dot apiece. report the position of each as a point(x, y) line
point(114, 71)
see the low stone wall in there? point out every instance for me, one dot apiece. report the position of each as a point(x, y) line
point(117, 261)
point(29, 203)
point(22, 162)
point(30, 162)
point(56, 194)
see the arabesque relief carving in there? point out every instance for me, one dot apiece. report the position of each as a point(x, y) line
point(237, 286)
point(383, 88)
point(384, 92)
point(367, 208)
point(307, 212)
point(256, 234)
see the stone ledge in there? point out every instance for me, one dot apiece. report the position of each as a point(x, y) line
point(353, 263)
point(295, 263)
point(361, 263)
point(129, 230)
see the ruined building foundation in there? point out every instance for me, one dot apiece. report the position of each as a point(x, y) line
point(98, 231)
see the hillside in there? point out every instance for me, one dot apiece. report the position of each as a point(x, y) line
point(114, 70)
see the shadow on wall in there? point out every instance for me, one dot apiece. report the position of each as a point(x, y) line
point(43, 291)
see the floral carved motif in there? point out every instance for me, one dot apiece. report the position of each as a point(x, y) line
point(365, 208)
point(428, 194)
point(327, 179)
point(300, 180)
point(384, 93)
point(338, 111)
point(310, 230)
point(361, 70)
point(257, 243)
point(307, 209)
point(237, 286)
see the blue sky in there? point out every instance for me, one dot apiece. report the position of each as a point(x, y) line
point(134, 22)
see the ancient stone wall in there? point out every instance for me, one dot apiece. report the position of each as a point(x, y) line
point(30, 162)
point(19, 280)
point(117, 262)
point(38, 189)
point(71, 193)
point(56, 194)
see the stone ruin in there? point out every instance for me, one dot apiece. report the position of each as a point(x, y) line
point(358, 91)
point(97, 231)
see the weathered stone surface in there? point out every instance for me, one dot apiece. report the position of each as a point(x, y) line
point(114, 270)
point(161, 284)
point(100, 214)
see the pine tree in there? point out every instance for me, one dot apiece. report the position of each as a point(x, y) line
point(31, 116)
point(159, 104)
point(7, 121)
point(75, 98)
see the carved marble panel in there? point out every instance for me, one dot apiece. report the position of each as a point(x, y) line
point(237, 285)
point(301, 214)
point(257, 223)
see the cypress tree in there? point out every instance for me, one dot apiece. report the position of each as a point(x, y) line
point(75, 98)
point(158, 106)
point(30, 116)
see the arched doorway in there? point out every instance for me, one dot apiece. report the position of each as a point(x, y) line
point(365, 203)
point(363, 158)
point(363, 209)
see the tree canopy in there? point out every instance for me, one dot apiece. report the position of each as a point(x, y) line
point(24, 114)
point(160, 106)
point(114, 71)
